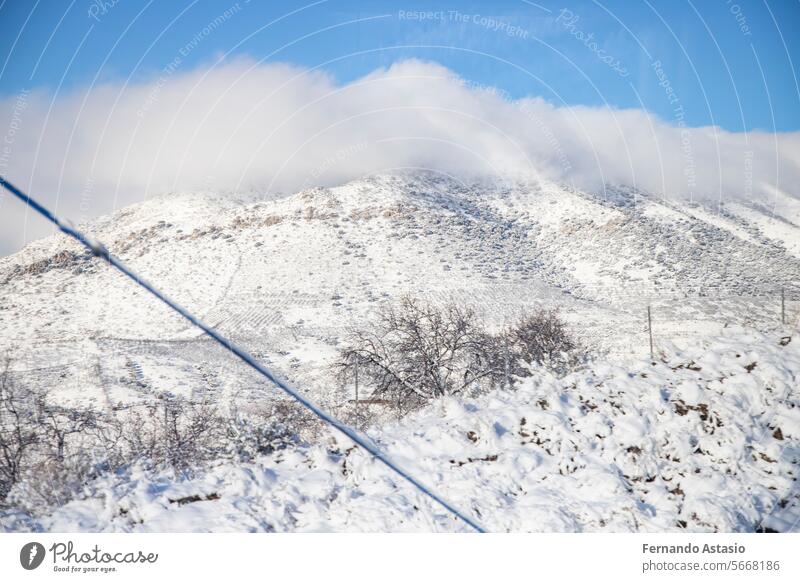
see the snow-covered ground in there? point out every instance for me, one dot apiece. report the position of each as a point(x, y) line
point(692, 443)
point(706, 439)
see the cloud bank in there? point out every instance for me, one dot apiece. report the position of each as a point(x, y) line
point(276, 129)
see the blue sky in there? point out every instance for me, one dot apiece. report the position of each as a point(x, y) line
point(726, 63)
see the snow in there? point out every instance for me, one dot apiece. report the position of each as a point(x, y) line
point(772, 226)
point(687, 444)
point(286, 278)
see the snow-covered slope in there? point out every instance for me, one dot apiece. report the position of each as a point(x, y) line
point(286, 277)
point(708, 439)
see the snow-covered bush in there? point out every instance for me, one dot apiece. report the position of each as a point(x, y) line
point(49, 453)
point(45, 450)
point(268, 428)
point(542, 339)
point(185, 435)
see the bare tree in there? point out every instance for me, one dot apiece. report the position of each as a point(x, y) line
point(413, 352)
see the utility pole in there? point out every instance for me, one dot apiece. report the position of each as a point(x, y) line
point(650, 330)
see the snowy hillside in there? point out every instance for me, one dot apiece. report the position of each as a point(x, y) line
point(707, 439)
point(286, 277)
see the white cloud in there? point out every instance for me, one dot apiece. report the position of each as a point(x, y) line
point(275, 127)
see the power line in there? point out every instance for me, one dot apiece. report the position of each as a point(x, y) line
point(100, 251)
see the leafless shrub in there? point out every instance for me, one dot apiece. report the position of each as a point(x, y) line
point(542, 339)
point(185, 435)
point(173, 432)
point(141, 432)
point(59, 425)
point(45, 449)
point(18, 430)
point(194, 433)
point(48, 452)
point(65, 455)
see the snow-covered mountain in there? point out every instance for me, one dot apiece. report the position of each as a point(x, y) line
point(285, 277)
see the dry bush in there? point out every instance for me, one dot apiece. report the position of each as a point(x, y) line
point(172, 432)
point(48, 452)
point(18, 431)
point(542, 339)
point(45, 449)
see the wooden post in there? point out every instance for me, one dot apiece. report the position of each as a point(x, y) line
point(783, 307)
point(356, 381)
point(166, 431)
point(650, 330)
point(507, 363)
